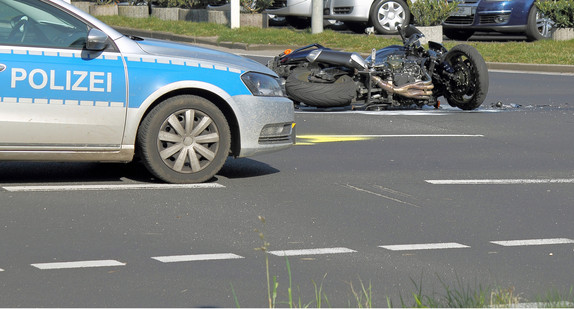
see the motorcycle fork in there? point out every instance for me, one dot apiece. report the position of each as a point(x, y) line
point(369, 88)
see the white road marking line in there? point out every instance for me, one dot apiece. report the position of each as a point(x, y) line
point(429, 112)
point(110, 187)
point(500, 181)
point(197, 257)
point(79, 264)
point(534, 242)
point(446, 245)
point(391, 135)
point(311, 251)
point(1, 270)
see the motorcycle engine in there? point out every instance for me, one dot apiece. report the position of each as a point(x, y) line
point(403, 70)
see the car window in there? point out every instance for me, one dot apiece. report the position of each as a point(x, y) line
point(37, 23)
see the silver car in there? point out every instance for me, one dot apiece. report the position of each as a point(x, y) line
point(384, 15)
point(74, 89)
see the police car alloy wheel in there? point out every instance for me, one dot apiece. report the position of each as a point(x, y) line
point(185, 139)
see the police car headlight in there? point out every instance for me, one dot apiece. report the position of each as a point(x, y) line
point(262, 85)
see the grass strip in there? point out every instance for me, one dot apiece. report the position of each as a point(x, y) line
point(539, 52)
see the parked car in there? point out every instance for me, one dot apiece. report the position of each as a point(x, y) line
point(384, 15)
point(506, 16)
point(74, 89)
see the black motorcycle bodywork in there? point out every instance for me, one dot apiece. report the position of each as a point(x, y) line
point(397, 75)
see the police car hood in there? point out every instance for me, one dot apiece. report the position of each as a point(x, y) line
point(171, 49)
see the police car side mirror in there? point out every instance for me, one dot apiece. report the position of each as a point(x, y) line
point(97, 40)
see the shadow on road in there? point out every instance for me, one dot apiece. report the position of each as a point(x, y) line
point(86, 172)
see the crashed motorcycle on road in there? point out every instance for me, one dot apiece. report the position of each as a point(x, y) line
point(395, 76)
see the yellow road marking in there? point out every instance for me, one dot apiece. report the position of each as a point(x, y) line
point(315, 139)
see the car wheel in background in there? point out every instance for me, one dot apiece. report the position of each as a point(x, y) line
point(387, 15)
point(184, 139)
point(539, 27)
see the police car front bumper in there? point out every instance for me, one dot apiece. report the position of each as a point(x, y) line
point(266, 124)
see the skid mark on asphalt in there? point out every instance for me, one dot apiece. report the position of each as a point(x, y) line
point(397, 200)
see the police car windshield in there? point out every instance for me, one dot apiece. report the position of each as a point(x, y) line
point(39, 23)
point(36, 10)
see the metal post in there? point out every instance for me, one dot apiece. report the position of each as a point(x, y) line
point(317, 17)
point(235, 17)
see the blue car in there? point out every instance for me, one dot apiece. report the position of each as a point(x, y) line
point(506, 16)
point(74, 89)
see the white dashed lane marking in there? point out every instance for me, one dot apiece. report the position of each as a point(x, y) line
point(117, 187)
point(79, 264)
point(197, 257)
point(446, 245)
point(499, 181)
point(301, 252)
point(311, 251)
point(534, 242)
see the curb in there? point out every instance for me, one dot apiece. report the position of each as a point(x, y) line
point(530, 67)
point(197, 40)
point(519, 67)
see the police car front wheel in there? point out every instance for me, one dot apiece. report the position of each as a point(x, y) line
point(184, 139)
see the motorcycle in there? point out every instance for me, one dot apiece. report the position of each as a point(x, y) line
point(395, 76)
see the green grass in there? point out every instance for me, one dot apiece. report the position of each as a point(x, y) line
point(460, 295)
point(540, 52)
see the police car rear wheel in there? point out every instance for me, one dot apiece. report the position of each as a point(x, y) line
point(185, 139)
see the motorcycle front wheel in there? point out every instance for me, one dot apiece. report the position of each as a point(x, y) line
point(468, 85)
point(336, 94)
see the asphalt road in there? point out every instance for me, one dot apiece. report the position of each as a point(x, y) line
point(387, 199)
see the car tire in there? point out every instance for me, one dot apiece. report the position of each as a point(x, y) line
point(387, 15)
point(184, 139)
point(458, 35)
point(538, 26)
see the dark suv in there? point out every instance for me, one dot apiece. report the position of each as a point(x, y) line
point(507, 16)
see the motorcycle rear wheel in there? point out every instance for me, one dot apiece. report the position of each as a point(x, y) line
point(336, 94)
point(469, 86)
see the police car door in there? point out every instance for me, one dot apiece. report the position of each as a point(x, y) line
point(54, 94)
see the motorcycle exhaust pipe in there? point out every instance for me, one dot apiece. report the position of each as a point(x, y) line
point(350, 60)
point(421, 90)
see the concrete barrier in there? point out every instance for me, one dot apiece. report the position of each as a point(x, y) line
point(563, 34)
point(83, 5)
point(134, 11)
point(194, 15)
point(104, 10)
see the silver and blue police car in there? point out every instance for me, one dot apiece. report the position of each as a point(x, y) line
point(74, 89)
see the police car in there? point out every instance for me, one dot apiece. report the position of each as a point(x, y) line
point(74, 89)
